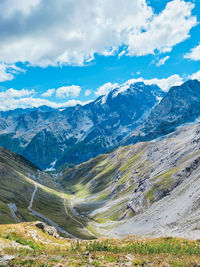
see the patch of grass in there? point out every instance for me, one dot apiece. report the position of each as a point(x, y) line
point(123, 178)
point(103, 179)
point(131, 161)
point(29, 262)
point(122, 153)
point(158, 246)
point(158, 187)
point(110, 258)
point(113, 213)
point(23, 241)
point(163, 182)
point(165, 176)
point(102, 196)
point(150, 195)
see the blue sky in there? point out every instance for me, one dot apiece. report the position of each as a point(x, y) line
point(81, 55)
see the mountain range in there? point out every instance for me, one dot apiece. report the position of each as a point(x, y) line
point(51, 137)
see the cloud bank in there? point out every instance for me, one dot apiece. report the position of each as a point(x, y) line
point(12, 98)
point(55, 34)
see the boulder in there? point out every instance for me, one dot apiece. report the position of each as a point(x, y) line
point(51, 231)
point(40, 225)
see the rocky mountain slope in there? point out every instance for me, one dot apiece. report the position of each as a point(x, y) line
point(50, 137)
point(180, 105)
point(150, 188)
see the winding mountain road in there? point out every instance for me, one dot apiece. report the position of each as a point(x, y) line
point(72, 218)
point(44, 218)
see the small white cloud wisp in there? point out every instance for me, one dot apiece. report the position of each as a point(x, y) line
point(68, 91)
point(194, 53)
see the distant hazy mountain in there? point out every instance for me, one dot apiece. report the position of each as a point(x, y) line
point(180, 105)
point(51, 137)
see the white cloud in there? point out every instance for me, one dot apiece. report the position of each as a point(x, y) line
point(68, 91)
point(13, 93)
point(64, 34)
point(12, 99)
point(7, 71)
point(164, 30)
point(11, 7)
point(195, 75)
point(123, 52)
point(162, 61)
point(48, 93)
point(24, 98)
point(164, 83)
point(109, 52)
point(29, 102)
point(194, 53)
point(87, 92)
point(105, 88)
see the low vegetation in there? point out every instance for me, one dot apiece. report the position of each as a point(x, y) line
point(30, 246)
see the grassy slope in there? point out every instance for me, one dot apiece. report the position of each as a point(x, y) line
point(108, 177)
point(16, 187)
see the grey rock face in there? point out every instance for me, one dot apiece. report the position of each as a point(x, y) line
point(180, 105)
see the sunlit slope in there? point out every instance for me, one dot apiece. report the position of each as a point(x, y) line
point(15, 187)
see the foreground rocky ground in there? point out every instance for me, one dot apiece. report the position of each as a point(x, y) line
point(34, 244)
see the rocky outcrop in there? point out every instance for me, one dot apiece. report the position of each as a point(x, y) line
point(47, 229)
